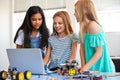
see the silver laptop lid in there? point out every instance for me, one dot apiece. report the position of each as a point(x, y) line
point(26, 59)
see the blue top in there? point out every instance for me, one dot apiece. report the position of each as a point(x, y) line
point(35, 42)
point(61, 49)
point(104, 64)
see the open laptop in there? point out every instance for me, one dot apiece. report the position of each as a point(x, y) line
point(26, 59)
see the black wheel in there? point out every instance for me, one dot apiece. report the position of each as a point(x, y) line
point(71, 71)
point(3, 75)
point(20, 76)
point(27, 75)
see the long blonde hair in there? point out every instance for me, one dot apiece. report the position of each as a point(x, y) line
point(85, 9)
point(66, 20)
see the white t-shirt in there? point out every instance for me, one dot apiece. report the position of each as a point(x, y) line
point(20, 38)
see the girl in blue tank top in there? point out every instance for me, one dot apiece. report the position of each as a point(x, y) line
point(33, 32)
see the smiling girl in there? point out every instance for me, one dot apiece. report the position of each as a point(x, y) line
point(63, 42)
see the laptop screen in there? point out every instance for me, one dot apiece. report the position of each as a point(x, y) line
point(26, 59)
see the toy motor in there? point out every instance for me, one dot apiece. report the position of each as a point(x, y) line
point(13, 74)
point(69, 68)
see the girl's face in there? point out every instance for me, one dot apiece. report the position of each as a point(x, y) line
point(36, 20)
point(58, 25)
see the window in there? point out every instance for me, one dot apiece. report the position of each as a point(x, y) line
point(19, 17)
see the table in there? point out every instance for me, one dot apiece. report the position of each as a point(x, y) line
point(106, 76)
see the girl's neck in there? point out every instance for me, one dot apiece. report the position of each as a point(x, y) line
point(34, 33)
point(87, 22)
point(61, 35)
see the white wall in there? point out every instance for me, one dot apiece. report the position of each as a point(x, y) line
point(5, 31)
point(70, 10)
point(113, 43)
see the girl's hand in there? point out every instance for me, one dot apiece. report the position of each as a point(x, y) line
point(62, 71)
point(82, 70)
point(59, 71)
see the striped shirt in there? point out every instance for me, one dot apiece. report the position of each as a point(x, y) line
point(61, 49)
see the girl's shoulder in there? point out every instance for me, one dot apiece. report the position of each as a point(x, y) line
point(74, 37)
point(20, 31)
point(73, 34)
point(93, 27)
point(52, 37)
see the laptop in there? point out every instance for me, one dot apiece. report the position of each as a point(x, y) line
point(26, 59)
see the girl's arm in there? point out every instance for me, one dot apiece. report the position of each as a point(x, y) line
point(82, 54)
point(73, 51)
point(18, 46)
point(47, 55)
point(93, 60)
